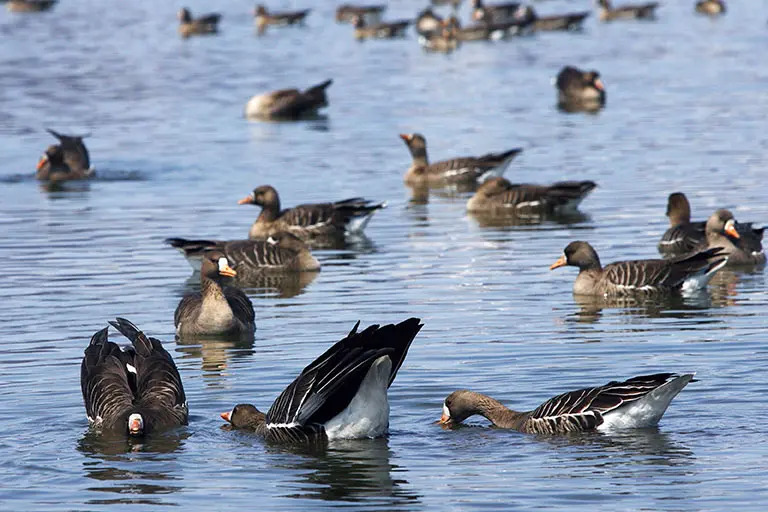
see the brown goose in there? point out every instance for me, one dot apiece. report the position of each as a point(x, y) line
point(380, 30)
point(188, 26)
point(216, 309)
point(496, 13)
point(288, 104)
point(428, 23)
point(684, 236)
point(499, 195)
point(307, 221)
point(282, 252)
point(579, 90)
point(346, 13)
point(29, 5)
point(641, 11)
point(572, 21)
point(710, 7)
point(454, 171)
point(265, 18)
point(67, 160)
point(136, 391)
point(639, 402)
point(639, 277)
point(481, 31)
point(341, 395)
point(722, 234)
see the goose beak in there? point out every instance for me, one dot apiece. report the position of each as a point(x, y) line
point(225, 416)
point(227, 271)
point(246, 200)
point(599, 84)
point(561, 262)
point(445, 419)
point(730, 229)
point(135, 424)
point(406, 137)
point(42, 162)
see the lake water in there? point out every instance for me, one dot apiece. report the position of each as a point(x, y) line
point(687, 107)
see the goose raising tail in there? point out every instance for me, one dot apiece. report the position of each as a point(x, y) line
point(341, 395)
point(136, 391)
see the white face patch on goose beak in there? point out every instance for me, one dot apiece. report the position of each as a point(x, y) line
point(446, 417)
point(223, 263)
point(225, 269)
point(135, 424)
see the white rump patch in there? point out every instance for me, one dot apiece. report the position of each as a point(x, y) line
point(223, 263)
point(647, 411)
point(131, 369)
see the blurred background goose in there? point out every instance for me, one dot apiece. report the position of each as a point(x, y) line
point(136, 391)
point(624, 12)
point(499, 195)
point(341, 395)
point(527, 16)
point(710, 7)
point(264, 18)
point(379, 30)
point(428, 23)
point(494, 13)
point(189, 26)
point(579, 90)
point(288, 104)
point(67, 160)
point(346, 13)
point(29, 5)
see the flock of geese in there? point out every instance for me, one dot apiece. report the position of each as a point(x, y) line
point(343, 393)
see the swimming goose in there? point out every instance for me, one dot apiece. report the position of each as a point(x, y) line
point(710, 7)
point(579, 90)
point(684, 236)
point(216, 309)
point(481, 31)
point(346, 13)
point(341, 395)
point(207, 24)
point(29, 5)
point(641, 11)
point(454, 171)
point(722, 233)
point(282, 252)
point(496, 13)
point(500, 196)
point(67, 160)
point(527, 16)
point(638, 402)
point(307, 221)
point(639, 277)
point(265, 18)
point(288, 104)
point(443, 41)
point(136, 391)
point(379, 30)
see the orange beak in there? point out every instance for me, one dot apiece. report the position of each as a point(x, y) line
point(599, 84)
point(445, 419)
point(561, 262)
point(730, 229)
point(246, 200)
point(406, 137)
point(227, 272)
point(225, 416)
point(42, 162)
point(477, 15)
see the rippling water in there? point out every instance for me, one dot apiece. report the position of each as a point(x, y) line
point(686, 111)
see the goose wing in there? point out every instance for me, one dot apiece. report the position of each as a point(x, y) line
point(240, 304)
point(256, 254)
point(104, 379)
point(188, 307)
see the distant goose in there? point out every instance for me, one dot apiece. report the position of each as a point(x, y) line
point(722, 234)
point(188, 26)
point(136, 391)
point(684, 236)
point(216, 310)
point(29, 5)
point(428, 23)
point(442, 41)
point(453, 171)
point(308, 221)
point(346, 13)
point(481, 31)
point(710, 7)
point(288, 104)
point(571, 21)
point(380, 30)
point(265, 18)
point(282, 252)
point(340, 395)
point(639, 402)
point(639, 277)
point(67, 160)
point(499, 195)
point(579, 90)
point(495, 13)
point(641, 11)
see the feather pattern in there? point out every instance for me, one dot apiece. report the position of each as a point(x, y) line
point(498, 194)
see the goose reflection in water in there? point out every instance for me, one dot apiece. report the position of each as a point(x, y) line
point(282, 285)
point(216, 355)
point(509, 219)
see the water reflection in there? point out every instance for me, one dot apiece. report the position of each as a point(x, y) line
point(699, 305)
point(268, 284)
point(215, 354)
point(505, 219)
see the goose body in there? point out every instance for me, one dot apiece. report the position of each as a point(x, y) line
point(288, 103)
point(454, 171)
point(428, 23)
point(579, 90)
point(340, 395)
point(264, 18)
point(204, 25)
point(639, 277)
point(482, 31)
point(443, 41)
point(380, 30)
point(499, 195)
point(626, 12)
point(308, 221)
point(572, 21)
point(137, 391)
point(710, 7)
point(638, 402)
point(494, 13)
point(67, 160)
point(29, 5)
point(347, 13)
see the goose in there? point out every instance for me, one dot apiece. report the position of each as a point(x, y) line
point(379, 30)
point(572, 21)
point(67, 160)
point(639, 277)
point(499, 195)
point(481, 31)
point(188, 26)
point(215, 310)
point(341, 395)
point(710, 7)
point(265, 18)
point(684, 236)
point(136, 391)
point(428, 23)
point(288, 104)
point(282, 252)
point(639, 402)
point(454, 171)
point(29, 5)
point(495, 13)
point(579, 90)
point(346, 13)
point(721, 232)
point(308, 221)
point(641, 11)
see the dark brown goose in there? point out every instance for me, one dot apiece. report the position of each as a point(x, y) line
point(684, 236)
point(308, 221)
point(527, 16)
point(136, 391)
point(265, 18)
point(495, 13)
point(288, 104)
point(341, 395)
point(501, 196)
point(346, 13)
point(710, 7)
point(639, 277)
point(380, 30)
point(204, 25)
point(481, 31)
point(29, 5)
point(216, 309)
point(722, 233)
point(639, 402)
point(67, 160)
point(624, 12)
point(282, 252)
point(579, 90)
point(457, 170)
